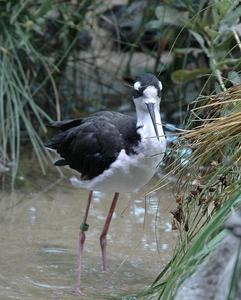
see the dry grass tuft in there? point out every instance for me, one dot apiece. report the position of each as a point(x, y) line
point(206, 160)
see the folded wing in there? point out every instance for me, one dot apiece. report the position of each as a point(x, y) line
point(90, 145)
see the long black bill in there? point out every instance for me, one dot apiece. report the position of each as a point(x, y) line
point(150, 107)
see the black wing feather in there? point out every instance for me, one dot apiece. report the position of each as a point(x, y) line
point(90, 145)
point(66, 124)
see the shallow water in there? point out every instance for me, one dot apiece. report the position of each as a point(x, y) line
point(39, 240)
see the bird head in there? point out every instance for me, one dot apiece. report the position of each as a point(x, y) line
point(147, 96)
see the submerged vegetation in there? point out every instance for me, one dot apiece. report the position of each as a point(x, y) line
point(68, 58)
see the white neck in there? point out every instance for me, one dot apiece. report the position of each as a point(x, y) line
point(145, 123)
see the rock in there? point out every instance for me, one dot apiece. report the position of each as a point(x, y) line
point(234, 224)
point(124, 21)
point(212, 278)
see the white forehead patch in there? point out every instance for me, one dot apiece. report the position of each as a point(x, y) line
point(160, 85)
point(150, 91)
point(137, 85)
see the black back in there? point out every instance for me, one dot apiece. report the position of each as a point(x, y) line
point(89, 145)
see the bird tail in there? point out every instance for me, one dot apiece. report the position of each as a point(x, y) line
point(59, 142)
point(56, 141)
point(53, 145)
point(65, 125)
point(60, 163)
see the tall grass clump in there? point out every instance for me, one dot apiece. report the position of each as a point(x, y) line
point(17, 106)
point(209, 181)
point(36, 39)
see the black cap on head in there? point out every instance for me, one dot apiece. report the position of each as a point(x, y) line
point(143, 81)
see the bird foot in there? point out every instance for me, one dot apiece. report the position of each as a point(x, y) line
point(104, 270)
point(77, 290)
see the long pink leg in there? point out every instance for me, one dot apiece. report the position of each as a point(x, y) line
point(103, 241)
point(83, 227)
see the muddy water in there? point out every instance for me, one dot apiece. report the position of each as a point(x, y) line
point(38, 243)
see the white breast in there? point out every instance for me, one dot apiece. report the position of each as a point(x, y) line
point(128, 173)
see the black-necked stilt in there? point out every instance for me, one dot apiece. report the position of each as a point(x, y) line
point(113, 152)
